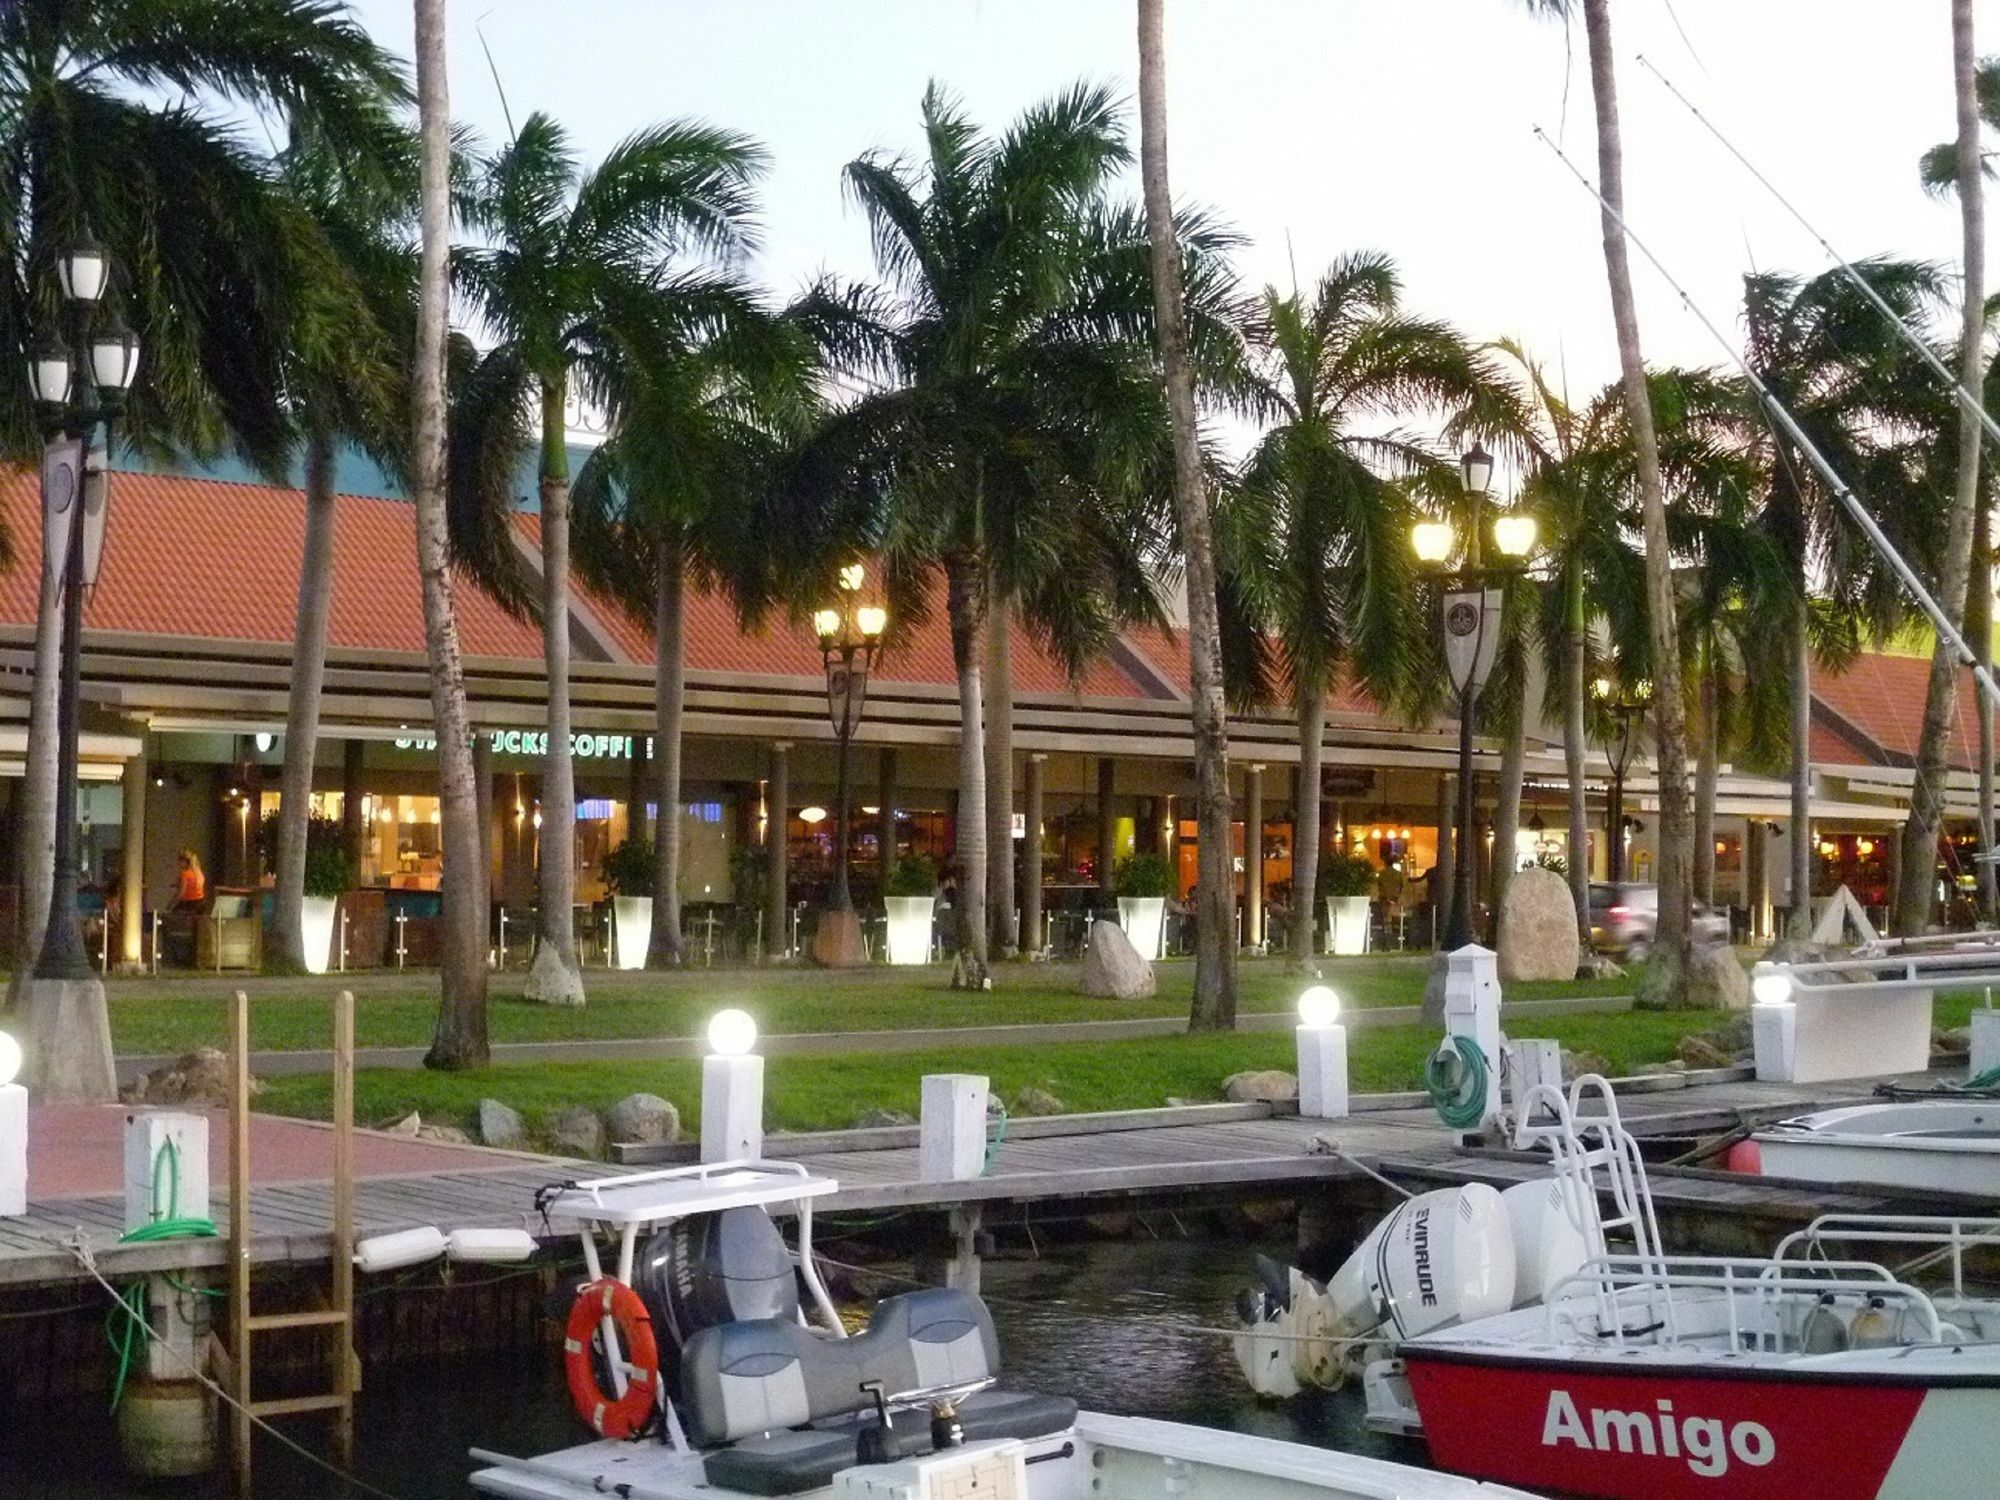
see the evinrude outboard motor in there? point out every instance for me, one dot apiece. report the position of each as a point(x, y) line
point(710, 1269)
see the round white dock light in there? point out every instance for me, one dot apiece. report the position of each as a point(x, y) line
point(10, 1059)
point(731, 1033)
point(1772, 987)
point(1319, 1006)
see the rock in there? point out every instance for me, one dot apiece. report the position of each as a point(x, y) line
point(882, 1119)
point(1271, 1086)
point(200, 1078)
point(1576, 1064)
point(577, 1131)
point(1953, 1042)
point(411, 1124)
point(1034, 1101)
point(1716, 981)
point(1699, 1051)
point(1113, 969)
point(643, 1118)
point(1597, 966)
point(1662, 1069)
point(1537, 933)
point(444, 1135)
point(500, 1126)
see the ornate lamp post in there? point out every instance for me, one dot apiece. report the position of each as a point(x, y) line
point(1471, 608)
point(850, 636)
point(77, 384)
point(1627, 706)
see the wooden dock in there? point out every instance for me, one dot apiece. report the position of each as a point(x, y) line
point(1098, 1162)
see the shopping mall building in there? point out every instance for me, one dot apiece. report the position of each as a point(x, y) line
point(187, 657)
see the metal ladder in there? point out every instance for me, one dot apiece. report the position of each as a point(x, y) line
point(338, 1316)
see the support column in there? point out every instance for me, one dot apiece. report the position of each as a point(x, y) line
point(132, 875)
point(1253, 857)
point(1444, 872)
point(353, 823)
point(249, 823)
point(482, 796)
point(1756, 876)
point(777, 803)
point(1107, 775)
point(885, 814)
point(1031, 857)
point(638, 791)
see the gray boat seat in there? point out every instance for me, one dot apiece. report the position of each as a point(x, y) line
point(781, 1463)
point(987, 1415)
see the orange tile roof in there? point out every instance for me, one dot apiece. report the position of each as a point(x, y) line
point(1168, 652)
point(1882, 697)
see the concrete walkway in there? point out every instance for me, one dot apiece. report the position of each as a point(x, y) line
point(1027, 1034)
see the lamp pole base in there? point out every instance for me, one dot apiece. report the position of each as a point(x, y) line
point(67, 1036)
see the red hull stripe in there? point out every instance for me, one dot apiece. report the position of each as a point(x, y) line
point(1665, 1436)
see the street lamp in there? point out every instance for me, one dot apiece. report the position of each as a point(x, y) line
point(1627, 705)
point(849, 638)
point(76, 385)
point(1471, 607)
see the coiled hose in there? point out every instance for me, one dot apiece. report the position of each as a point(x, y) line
point(1455, 1078)
point(125, 1325)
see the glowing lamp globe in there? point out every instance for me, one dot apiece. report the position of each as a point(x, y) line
point(1431, 541)
point(1319, 1006)
point(10, 1059)
point(872, 618)
point(731, 1033)
point(1771, 987)
point(1514, 535)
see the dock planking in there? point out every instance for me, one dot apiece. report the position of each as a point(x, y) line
point(1085, 1159)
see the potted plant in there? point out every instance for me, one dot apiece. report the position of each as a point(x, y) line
point(329, 875)
point(1347, 881)
point(909, 896)
point(1142, 883)
point(628, 870)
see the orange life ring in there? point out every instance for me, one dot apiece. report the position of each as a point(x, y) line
point(630, 1415)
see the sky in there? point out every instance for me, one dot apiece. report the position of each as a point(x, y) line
point(1314, 127)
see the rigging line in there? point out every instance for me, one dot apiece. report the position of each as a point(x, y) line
point(1966, 400)
point(1942, 622)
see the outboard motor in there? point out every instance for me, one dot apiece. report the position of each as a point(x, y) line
point(710, 1269)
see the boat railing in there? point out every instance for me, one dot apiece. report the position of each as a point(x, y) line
point(1897, 973)
point(1618, 1301)
point(1948, 1239)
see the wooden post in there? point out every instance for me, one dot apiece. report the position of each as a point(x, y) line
point(344, 1381)
point(239, 1236)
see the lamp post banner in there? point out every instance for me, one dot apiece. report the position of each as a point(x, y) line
point(62, 479)
point(96, 511)
point(1471, 637)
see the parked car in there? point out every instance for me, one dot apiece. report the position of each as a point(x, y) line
point(1624, 918)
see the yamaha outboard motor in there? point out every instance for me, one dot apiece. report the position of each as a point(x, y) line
point(710, 1269)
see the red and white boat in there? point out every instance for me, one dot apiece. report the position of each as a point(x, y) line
point(1645, 1374)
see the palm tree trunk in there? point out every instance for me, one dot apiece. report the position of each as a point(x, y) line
point(1507, 807)
point(460, 1040)
point(38, 784)
point(1798, 918)
point(1920, 833)
point(302, 708)
point(555, 978)
point(999, 691)
point(669, 677)
point(1576, 751)
point(1667, 980)
point(1707, 769)
point(1215, 881)
point(1306, 832)
point(963, 593)
point(1979, 627)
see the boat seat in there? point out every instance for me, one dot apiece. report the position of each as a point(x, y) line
point(990, 1414)
point(781, 1463)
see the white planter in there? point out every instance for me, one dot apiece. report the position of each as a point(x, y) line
point(910, 928)
point(1347, 924)
point(631, 930)
point(1144, 919)
point(318, 916)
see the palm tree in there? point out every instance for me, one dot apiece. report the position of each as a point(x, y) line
point(570, 281)
point(1317, 535)
point(461, 1037)
point(1920, 832)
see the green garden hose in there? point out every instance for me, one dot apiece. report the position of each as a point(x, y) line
point(126, 1324)
point(1455, 1078)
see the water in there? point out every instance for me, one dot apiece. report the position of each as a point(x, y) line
point(1111, 1323)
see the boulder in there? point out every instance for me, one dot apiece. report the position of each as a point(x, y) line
point(577, 1131)
point(1953, 1042)
point(200, 1079)
point(444, 1135)
point(1537, 933)
point(1113, 969)
point(1270, 1086)
point(411, 1124)
point(643, 1118)
point(1034, 1101)
point(882, 1119)
point(1699, 1051)
point(1716, 981)
point(1576, 1064)
point(500, 1126)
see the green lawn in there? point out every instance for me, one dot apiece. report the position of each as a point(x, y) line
point(175, 1015)
point(805, 1092)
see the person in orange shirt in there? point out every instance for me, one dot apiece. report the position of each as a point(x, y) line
point(192, 887)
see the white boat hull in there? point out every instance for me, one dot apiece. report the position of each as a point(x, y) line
point(1945, 1145)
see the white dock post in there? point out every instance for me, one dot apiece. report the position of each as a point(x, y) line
point(1531, 1062)
point(13, 1132)
point(166, 1176)
point(1774, 1025)
point(732, 1090)
point(1985, 1042)
point(1472, 1009)
point(1322, 1049)
point(951, 1134)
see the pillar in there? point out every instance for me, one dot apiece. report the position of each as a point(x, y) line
point(249, 823)
point(1443, 871)
point(132, 876)
point(1107, 775)
point(885, 813)
point(353, 825)
point(1031, 857)
point(1756, 876)
point(638, 790)
point(777, 803)
point(1253, 857)
point(482, 802)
